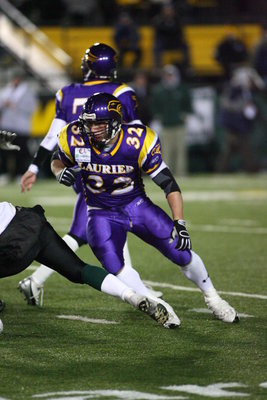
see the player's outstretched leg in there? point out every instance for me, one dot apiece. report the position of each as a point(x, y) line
point(110, 284)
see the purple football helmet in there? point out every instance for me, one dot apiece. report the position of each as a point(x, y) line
point(104, 111)
point(99, 61)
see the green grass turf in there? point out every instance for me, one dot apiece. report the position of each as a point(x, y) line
point(40, 353)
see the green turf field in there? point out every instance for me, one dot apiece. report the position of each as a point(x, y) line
point(44, 355)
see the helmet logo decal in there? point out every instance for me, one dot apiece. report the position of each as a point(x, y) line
point(91, 57)
point(115, 105)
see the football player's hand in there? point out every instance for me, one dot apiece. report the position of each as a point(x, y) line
point(67, 176)
point(27, 180)
point(179, 231)
point(6, 138)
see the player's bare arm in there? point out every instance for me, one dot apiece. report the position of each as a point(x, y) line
point(176, 205)
point(57, 166)
point(47, 145)
point(27, 180)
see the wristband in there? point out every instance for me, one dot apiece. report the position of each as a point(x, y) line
point(34, 169)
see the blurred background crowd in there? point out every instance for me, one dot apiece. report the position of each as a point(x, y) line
point(199, 69)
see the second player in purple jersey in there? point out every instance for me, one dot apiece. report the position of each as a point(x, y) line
point(70, 99)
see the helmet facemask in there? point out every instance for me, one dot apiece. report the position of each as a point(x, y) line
point(101, 118)
point(100, 132)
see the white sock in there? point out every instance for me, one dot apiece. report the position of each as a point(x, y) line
point(43, 272)
point(132, 279)
point(113, 286)
point(196, 272)
point(126, 255)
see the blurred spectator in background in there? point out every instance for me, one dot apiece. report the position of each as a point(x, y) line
point(259, 56)
point(139, 9)
point(82, 12)
point(169, 36)
point(238, 115)
point(170, 101)
point(231, 53)
point(17, 103)
point(127, 40)
point(141, 86)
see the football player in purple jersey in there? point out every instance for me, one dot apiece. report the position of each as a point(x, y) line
point(99, 72)
point(110, 157)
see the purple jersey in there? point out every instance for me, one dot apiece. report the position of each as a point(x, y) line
point(113, 178)
point(114, 192)
point(70, 99)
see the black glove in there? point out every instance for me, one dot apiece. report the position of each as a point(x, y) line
point(6, 138)
point(179, 231)
point(67, 176)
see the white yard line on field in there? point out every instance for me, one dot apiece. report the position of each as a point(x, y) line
point(104, 394)
point(190, 289)
point(207, 311)
point(192, 196)
point(223, 195)
point(85, 319)
point(228, 229)
point(238, 222)
point(54, 200)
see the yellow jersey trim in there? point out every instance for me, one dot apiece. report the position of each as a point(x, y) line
point(63, 143)
point(116, 148)
point(149, 139)
point(95, 149)
point(119, 88)
point(91, 83)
